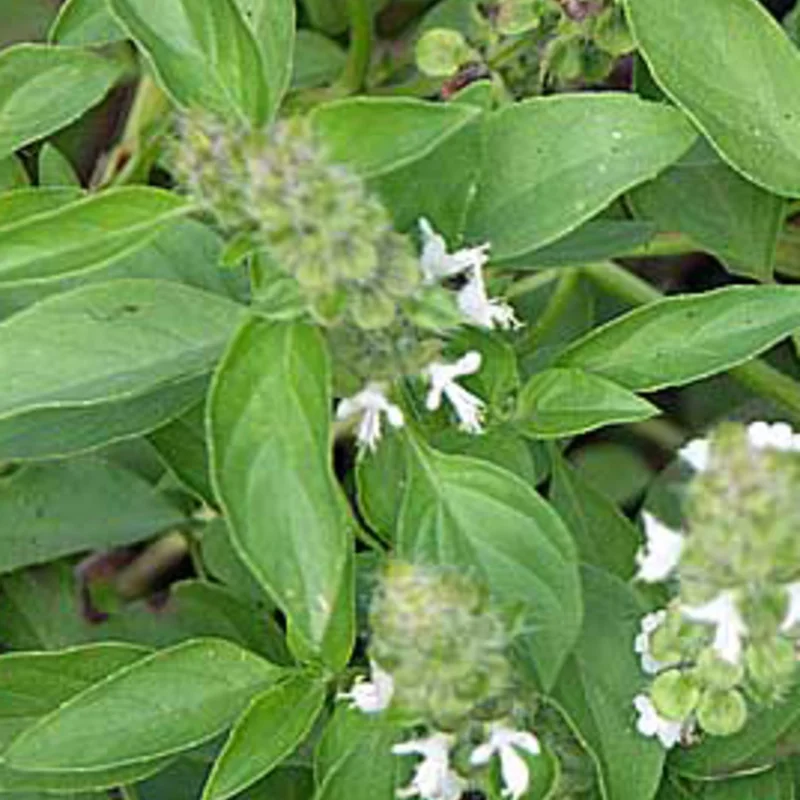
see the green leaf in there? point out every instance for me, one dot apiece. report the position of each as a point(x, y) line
point(702, 197)
point(85, 22)
point(12, 174)
point(167, 702)
point(44, 88)
point(354, 759)
point(55, 169)
point(270, 437)
point(605, 537)
point(116, 340)
point(318, 60)
point(376, 136)
point(22, 203)
point(753, 747)
point(55, 509)
point(553, 163)
point(86, 233)
point(565, 402)
point(331, 16)
point(596, 689)
point(205, 54)
point(266, 733)
point(736, 78)
point(681, 339)
point(65, 429)
point(776, 784)
point(469, 513)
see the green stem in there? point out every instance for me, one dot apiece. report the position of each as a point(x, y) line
point(567, 283)
point(359, 57)
point(665, 244)
point(758, 376)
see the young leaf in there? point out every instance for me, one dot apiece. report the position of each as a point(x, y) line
point(736, 78)
point(318, 60)
point(596, 688)
point(702, 197)
point(565, 402)
point(266, 733)
point(473, 514)
point(59, 508)
point(603, 534)
point(205, 54)
point(270, 436)
point(391, 133)
point(527, 195)
point(86, 233)
point(170, 701)
point(85, 22)
point(681, 339)
point(44, 88)
point(55, 169)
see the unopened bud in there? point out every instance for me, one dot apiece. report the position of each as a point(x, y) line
point(675, 694)
point(722, 713)
point(441, 52)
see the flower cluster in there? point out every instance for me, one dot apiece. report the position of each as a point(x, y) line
point(729, 635)
point(438, 661)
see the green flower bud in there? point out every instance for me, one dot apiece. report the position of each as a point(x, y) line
point(441, 52)
point(564, 58)
point(518, 16)
point(371, 308)
point(675, 694)
point(611, 32)
point(722, 713)
point(771, 667)
point(716, 673)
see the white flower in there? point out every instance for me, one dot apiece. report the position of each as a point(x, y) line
point(793, 613)
point(662, 552)
point(479, 309)
point(442, 377)
point(373, 696)
point(649, 625)
point(722, 612)
point(437, 263)
point(369, 404)
point(696, 454)
point(778, 436)
point(433, 779)
point(651, 723)
point(504, 741)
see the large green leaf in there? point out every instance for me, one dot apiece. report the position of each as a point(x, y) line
point(354, 759)
point(55, 509)
point(553, 163)
point(702, 197)
point(12, 174)
point(376, 136)
point(603, 534)
point(565, 402)
point(85, 22)
point(115, 340)
point(736, 77)
point(473, 514)
point(205, 54)
point(596, 688)
point(44, 88)
point(775, 784)
point(170, 701)
point(681, 339)
point(266, 733)
point(270, 435)
point(86, 233)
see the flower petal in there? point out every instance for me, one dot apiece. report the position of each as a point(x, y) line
point(661, 553)
point(722, 612)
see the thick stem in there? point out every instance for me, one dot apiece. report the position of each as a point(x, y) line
point(758, 376)
point(355, 72)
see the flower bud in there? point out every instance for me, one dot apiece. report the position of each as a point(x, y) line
point(717, 673)
point(441, 52)
point(518, 16)
point(771, 667)
point(611, 32)
point(675, 694)
point(722, 713)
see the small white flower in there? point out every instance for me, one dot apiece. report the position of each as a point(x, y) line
point(793, 613)
point(505, 741)
point(651, 723)
point(369, 404)
point(371, 697)
point(479, 309)
point(696, 454)
point(661, 553)
point(433, 778)
point(442, 377)
point(437, 263)
point(778, 436)
point(649, 625)
point(722, 612)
